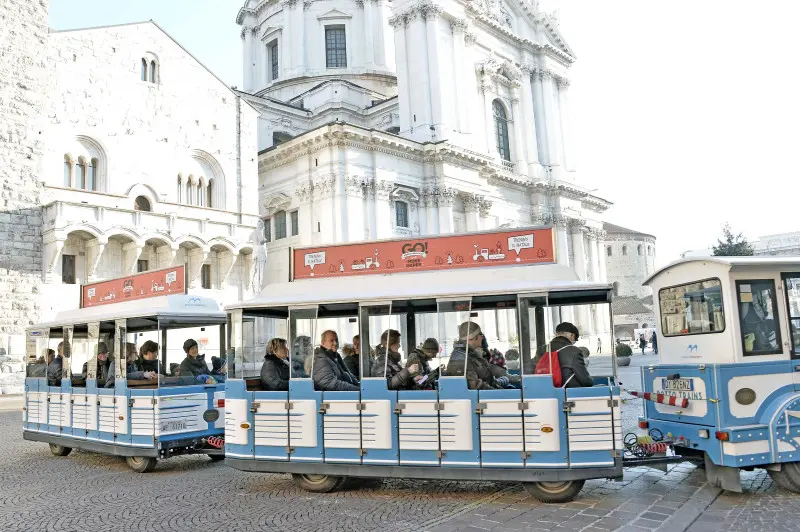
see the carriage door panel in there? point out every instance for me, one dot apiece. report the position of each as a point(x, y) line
point(501, 428)
point(271, 425)
point(418, 427)
point(305, 416)
point(591, 430)
point(66, 383)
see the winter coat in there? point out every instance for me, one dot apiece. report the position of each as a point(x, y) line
point(193, 367)
point(478, 371)
point(417, 356)
point(330, 373)
point(105, 372)
point(275, 374)
point(137, 370)
point(54, 372)
point(397, 377)
point(353, 363)
point(571, 360)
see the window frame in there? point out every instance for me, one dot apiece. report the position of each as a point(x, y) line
point(205, 277)
point(145, 69)
point(64, 261)
point(140, 263)
point(268, 229)
point(609, 251)
point(794, 353)
point(334, 47)
point(294, 218)
point(280, 225)
point(722, 306)
point(397, 214)
point(501, 135)
point(274, 64)
point(778, 350)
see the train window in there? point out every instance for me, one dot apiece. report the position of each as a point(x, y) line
point(303, 336)
point(456, 331)
point(792, 288)
point(37, 353)
point(758, 311)
point(693, 308)
point(258, 331)
point(536, 322)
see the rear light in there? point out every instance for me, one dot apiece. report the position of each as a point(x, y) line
point(722, 436)
point(643, 424)
point(703, 433)
point(220, 403)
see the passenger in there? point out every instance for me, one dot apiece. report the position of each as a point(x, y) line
point(105, 367)
point(131, 355)
point(512, 360)
point(302, 357)
point(421, 356)
point(350, 359)
point(193, 368)
point(55, 367)
point(397, 377)
point(275, 370)
point(175, 369)
point(219, 368)
point(573, 367)
point(468, 350)
point(147, 366)
point(329, 372)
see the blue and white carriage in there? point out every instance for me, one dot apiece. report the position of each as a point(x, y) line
point(729, 343)
point(142, 420)
point(550, 438)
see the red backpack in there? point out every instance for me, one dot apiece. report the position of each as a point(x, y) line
point(549, 365)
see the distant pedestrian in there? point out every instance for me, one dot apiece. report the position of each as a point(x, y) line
point(642, 342)
point(654, 341)
point(599, 346)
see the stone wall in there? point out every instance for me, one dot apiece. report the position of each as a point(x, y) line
point(23, 32)
point(629, 263)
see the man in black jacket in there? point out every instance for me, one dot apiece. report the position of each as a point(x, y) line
point(329, 372)
point(573, 366)
point(194, 366)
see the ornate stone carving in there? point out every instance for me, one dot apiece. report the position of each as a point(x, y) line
point(383, 190)
point(360, 4)
point(563, 83)
point(244, 31)
point(397, 21)
point(324, 187)
point(576, 225)
point(276, 202)
point(429, 10)
point(304, 192)
point(354, 186)
point(443, 196)
point(289, 3)
point(470, 37)
point(459, 25)
point(307, 4)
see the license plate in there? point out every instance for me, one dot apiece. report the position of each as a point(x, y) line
point(677, 385)
point(173, 425)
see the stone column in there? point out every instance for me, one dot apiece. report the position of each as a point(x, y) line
point(444, 200)
point(562, 249)
point(354, 191)
point(398, 22)
point(372, 219)
point(531, 144)
point(299, 38)
point(51, 256)
point(377, 25)
point(487, 89)
point(286, 63)
point(564, 123)
point(259, 55)
point(461, 119)
point(369, 35)
point(594, 276)
point(247, 57)
point(94, 252)
point(131, 253)
point(383, 209)
point(471, 207)
point(553, 131)
point(417, 66)
point(540, 117)
point(601, 235)
point(431, 12)
point(579, 254)
point(432, 208)
point(521, 165)
point(227, 262)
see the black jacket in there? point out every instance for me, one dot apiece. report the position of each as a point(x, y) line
point(397, 377)
point(54, 372)
point(275, 374)
point(105, 372)
point(479, 374)
point(352, 363)
point(331, 375)
point(192, 367)
point(571, 360)
point(417, 356)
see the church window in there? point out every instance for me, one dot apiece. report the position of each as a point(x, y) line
point(201, 194)
point(268, 229)
point(141, 203)
point(180, 188)
point(295, 223)
point(68, 269)
point(153, 71)
point(335, 47)
point(608, 251)
point(639, 249)
point(501, 130)
point(149, 68)
point(141, 265)
point(92, 182)
point(189, 189)
point(280, 225)
point(67, 171)
point(209, 193)
point(80, 174)
point(273, 59)
point(624, 250)
point(144, 69)
point(205, 276)
point(401, 213)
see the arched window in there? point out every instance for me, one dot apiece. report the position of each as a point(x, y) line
point(189, 187)
point(180, 188)
point(153, 71)
point(144, 69)
point(201, 193)
point(67, 171)
point(80, 174)
point(401, 212)
point(141, 203)
point(624, 250)
point(209, 193)
point(501, 130)
point(92, 183)
point(608, 251)
point(639, 249)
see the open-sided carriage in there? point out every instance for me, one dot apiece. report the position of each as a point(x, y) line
point(77, 390)
point(727, 389)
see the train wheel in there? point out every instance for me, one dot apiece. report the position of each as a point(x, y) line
point(788, 477)
point(554, 492)
point(141, 464)
point(60, 450)
point(317, 483)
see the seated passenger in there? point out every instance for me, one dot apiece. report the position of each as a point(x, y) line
point(512, 360)
point(388, 364)
point(275, 370)
point(573, 366)
point(351, 358)
point(329, 372)
point(302, 357)
point(55, 367)
point(147, 366)
point(193, 368)
point(175, 369)
point(219, 368)
point(467, 351)
point(421, 356)
point(105, 367)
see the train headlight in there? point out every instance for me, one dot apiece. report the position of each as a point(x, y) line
point(703, 433)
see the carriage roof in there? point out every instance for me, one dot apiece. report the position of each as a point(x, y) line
point(732, 264)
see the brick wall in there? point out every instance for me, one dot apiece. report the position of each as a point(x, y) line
point(23, 32)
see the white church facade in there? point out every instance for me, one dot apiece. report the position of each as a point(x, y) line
point(384, 120)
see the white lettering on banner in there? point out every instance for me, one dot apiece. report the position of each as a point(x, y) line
point(172, 277)
point(312, 259)
point(518, 243)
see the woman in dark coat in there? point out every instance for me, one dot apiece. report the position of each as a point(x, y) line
point(275, 370)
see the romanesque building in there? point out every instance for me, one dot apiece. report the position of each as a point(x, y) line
point(382, 120)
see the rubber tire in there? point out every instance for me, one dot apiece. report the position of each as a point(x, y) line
point(554, 492)
point(60, 450)
point(216, 457)
point(141, 464)
point(788, 477)
point(318, 483)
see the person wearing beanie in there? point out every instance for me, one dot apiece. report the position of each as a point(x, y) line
point(388, 364)
point(421, 356)
point(573, 366)
point(105, 367)
point(466, 360)
point(192, 367)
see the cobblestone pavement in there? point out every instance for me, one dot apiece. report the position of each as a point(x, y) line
point(93, 492)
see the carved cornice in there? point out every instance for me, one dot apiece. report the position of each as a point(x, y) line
point(383, 190)
point(288, 3)
point(430, 10)
point(459, 25)
point(354, 186)
point(360, 4)
point(441, 196)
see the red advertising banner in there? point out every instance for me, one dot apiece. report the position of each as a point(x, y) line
point(520, 246)
point(140, 286)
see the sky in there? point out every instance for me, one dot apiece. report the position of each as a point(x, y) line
point(684, 113)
